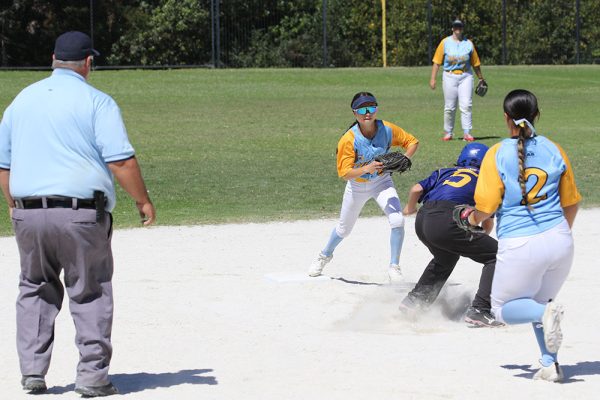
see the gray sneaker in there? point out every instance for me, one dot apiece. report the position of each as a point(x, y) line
point(34, 383)
point(96, 391)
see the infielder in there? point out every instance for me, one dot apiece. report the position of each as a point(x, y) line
point(440, 193)
point(457, 56)
point(367, 138)
point(528, 181)
point(61, 143)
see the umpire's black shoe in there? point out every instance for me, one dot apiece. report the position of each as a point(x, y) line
point(96, 391)
point(481, 318)
point(34, 383)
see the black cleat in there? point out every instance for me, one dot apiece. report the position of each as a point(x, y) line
point(481, 318)
point(412, 306)
point(34, 383)
point(96, 391)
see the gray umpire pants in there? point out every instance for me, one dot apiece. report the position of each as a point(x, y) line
point(51, 241)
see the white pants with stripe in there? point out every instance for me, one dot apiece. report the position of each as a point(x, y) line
point(382, 190)
point(458, 89)
point(532, 267)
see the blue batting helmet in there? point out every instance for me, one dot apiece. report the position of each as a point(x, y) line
point(472, 155)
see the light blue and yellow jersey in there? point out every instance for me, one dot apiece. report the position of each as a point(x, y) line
point(550, 186)
point(354, 150)
point(456, 56)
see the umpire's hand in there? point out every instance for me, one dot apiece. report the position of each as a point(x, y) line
point(129, 176)
point(147, 212)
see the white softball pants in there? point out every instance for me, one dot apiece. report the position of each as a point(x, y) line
point(382, 190)
point(532, 267)
point(458, 88)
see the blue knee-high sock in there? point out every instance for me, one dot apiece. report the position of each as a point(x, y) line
point(547, 357)
point(521, 311)
point(396, 240)
point(334, 240)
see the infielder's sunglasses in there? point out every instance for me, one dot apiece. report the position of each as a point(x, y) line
point(366, 110)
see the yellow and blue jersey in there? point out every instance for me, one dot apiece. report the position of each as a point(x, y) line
point(455, 184)
point(354, 150)
point(550, 186)
point(456, 56)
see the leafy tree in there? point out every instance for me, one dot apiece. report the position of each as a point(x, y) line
point(284, 33)
point(174, 32)
point(590, 32)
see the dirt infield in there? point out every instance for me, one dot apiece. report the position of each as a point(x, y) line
point(225, 312)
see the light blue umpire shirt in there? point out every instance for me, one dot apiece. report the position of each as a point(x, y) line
point(57, 137)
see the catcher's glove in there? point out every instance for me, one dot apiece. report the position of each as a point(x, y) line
point(481, 88)
point(394, 162)
point(461, 217)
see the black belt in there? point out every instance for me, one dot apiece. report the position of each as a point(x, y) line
point(55, 202)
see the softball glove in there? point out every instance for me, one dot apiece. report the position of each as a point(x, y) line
point(482, 88)
point(394, 162)
point(461, 217)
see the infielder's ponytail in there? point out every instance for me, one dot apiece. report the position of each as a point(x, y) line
point(522, 107)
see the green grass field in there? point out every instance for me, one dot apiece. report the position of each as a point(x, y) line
point(222, 146)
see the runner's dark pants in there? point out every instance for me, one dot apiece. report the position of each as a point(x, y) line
point(72, 241)
point(447, 242)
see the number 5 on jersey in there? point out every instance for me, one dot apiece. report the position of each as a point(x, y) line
point(465, 175)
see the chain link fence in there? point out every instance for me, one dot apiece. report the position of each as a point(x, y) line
point(300, 33)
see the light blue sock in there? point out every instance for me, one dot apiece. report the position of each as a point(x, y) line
point(334, 240)
point(521, 311)
point(547, 357)
point(396, 240)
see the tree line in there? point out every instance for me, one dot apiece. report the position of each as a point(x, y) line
point(278, 33)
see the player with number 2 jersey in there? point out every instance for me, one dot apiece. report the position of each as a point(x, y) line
point(527, 180)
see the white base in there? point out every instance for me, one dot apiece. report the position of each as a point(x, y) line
point(291, 277)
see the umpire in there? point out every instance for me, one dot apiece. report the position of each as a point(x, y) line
point(61, 143)
point(440, 193)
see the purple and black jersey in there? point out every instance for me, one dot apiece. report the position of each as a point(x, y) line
point(455, 184)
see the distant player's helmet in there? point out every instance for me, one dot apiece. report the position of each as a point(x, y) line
point(457, 23)
point(472, 155)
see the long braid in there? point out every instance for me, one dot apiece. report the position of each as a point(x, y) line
point(522, 155)
point(521, 107)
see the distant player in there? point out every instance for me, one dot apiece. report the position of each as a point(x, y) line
point(456, 55)
point(440, 193)
point(367, 138)
point(528, 181)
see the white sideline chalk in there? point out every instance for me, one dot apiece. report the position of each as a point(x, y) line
point(291, 277)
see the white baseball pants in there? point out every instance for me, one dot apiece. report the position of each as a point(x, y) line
point(532, 267)
point(458, 88)
point(358, 193)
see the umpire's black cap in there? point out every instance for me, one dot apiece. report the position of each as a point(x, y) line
point(457, 23)
point(73, 46)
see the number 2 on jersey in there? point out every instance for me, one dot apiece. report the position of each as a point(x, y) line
point(464, 176)
point(541, 177)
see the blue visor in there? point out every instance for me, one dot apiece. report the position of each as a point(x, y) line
point(363, 100)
